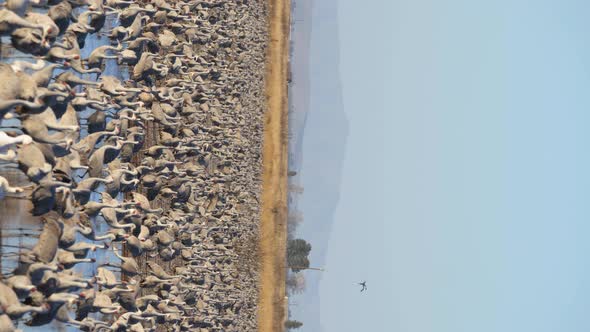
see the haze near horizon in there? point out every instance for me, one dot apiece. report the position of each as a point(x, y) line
point(460, 194)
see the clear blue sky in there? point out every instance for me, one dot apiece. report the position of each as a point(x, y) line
point(465, 186)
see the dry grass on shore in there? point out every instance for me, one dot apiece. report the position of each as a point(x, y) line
point(273, 228)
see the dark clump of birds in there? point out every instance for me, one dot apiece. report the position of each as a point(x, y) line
point(168, 162)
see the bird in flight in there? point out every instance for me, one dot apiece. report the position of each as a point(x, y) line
point(363, 285)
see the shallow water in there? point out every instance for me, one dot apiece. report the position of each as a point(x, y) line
point(18, 228)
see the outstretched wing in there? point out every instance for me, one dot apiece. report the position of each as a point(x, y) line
point(363, 286)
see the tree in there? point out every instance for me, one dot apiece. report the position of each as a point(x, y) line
point(293, 220)
point(295, 188)
point(297, 252)
point(295, 283)
point(298, 247)
point(295, 217)
point(293, 324)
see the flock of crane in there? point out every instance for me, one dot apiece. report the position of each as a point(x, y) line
point(161, 170)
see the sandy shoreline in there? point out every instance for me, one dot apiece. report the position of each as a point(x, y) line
point(273, 226)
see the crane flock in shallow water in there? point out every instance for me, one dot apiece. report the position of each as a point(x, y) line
point(160, 172)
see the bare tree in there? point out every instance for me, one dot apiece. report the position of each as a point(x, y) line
point(295, 188)
point(294, 219)
point(295, 283)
